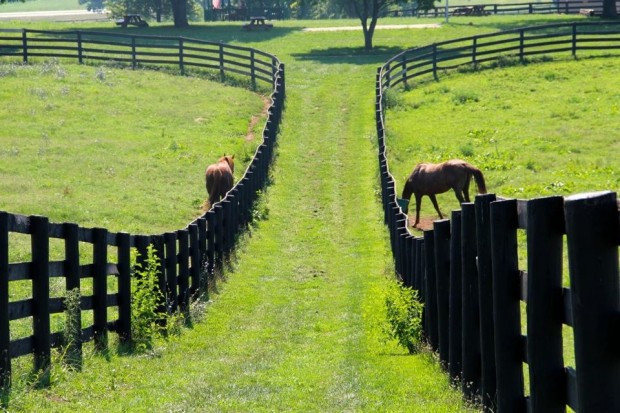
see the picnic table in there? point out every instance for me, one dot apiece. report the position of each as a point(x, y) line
point(257, 23)
point(470, 11)
point(132, 19)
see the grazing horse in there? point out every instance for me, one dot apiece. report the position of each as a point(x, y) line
point(219, 177)
point(431, 179)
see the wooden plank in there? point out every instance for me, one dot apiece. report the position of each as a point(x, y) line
point(485, 300)
point(20, 309)
point(100, 280)
point(183, 260)
point(40, 292)
point(442, 278)
point(19, 224)
point(456, 294)
point(19, 271)
point(593, 238)
point(170, 267)
point(124, 287)
point(545, 227)
point(22, 346)
point(506, 306)
point(5, 334)
point(471, 312)
point(430, 290)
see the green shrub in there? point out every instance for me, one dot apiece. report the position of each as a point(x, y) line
point(72, 333)
point(404, 316)
point(146, 321)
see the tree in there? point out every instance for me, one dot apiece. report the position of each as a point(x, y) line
point(179, 13)
point(371, 10)
point(609, 9)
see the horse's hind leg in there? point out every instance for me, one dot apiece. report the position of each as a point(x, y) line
point(459, 195)
point(434, 201)
point(466, 189)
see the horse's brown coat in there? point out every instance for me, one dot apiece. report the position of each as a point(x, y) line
point(219, 178)
point(431, 179)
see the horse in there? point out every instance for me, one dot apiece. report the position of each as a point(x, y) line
point(431, 179)
point(219, 178)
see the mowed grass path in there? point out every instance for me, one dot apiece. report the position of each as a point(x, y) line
point(294, 327)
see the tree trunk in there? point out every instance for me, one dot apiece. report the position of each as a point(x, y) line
point(609, 9)
point(179, 13)
point(368, 39)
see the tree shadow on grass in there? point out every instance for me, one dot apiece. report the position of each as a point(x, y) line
point(225, 33)
point(352, 55)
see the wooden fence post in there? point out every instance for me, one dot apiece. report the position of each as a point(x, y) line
point(210, 242)
point(455, 301)
point(170, 290)
point(507, 306)
point(181, 56)
point(25, 46)
point(545, 228)
point(72, 282)
point(574, 40)
point(184, 297)
point(521, 45)
point(221, 55)
point(593, 236)
point(252, 70)
point(40, 292)
point(5, 335)
point(100, 288)
point(196, 257)
point(485, 299)
point(134, 57)
point(442, 279)
point(435, 61)
point(79, 47)
point(419, 268)
point(431, 290)
point(160, 254)
point(124, 286)
point(470, 360)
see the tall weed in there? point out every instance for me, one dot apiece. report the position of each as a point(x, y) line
point(404, 316)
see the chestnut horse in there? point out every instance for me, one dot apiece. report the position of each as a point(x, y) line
point(431, 179)
point(219, 177)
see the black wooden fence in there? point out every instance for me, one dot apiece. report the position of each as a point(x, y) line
point(184, 254)
point(477, 9)
point(466, 269)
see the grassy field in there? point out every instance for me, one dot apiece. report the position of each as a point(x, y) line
point(548, 135)
point(117, 148)
point(41, 5)
point(294, 327)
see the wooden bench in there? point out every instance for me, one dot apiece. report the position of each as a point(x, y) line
point(257, 23)
point(587, 12)
point(133, 20)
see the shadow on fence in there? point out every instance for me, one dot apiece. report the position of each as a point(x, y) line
point(185, 255)
point(466, 269)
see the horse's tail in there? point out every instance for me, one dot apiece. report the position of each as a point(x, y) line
point(479, 178)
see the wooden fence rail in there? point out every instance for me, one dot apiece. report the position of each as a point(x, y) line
point(466, 269)
point(186, 256)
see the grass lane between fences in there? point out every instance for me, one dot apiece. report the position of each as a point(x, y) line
point(294, 326)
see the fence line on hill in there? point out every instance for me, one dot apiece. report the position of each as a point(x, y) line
point(466, 268)
point(185, 255)
point(477, 9)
